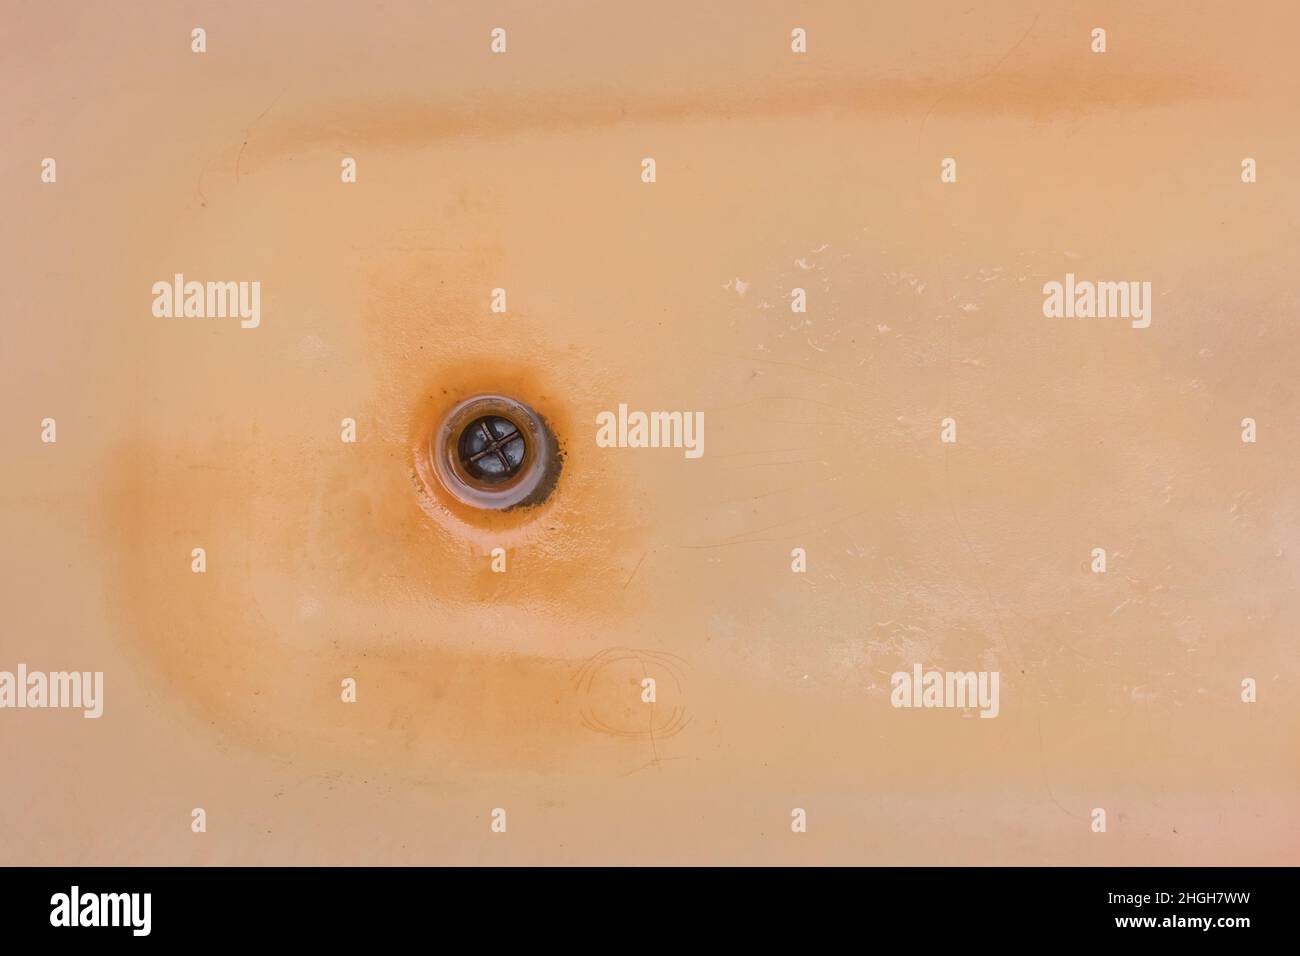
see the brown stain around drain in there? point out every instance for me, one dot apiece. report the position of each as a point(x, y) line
point(326, 562)
point(460, 665)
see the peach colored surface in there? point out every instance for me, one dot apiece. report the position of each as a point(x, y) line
point(522, 690)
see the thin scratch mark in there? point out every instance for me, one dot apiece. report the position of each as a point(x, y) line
point(742, 539)
point(249, 132)
point(778, 491)
point(996, 66)
point(794, 365)
point(203, 199)
point(634, 571)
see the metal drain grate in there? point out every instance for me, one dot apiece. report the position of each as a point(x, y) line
point(492, 449)
point(494, 452)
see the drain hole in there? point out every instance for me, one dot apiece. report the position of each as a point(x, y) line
point(494, 452)
point(492, 449)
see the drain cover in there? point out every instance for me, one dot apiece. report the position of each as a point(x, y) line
point(492, 449)
point(495, 452)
